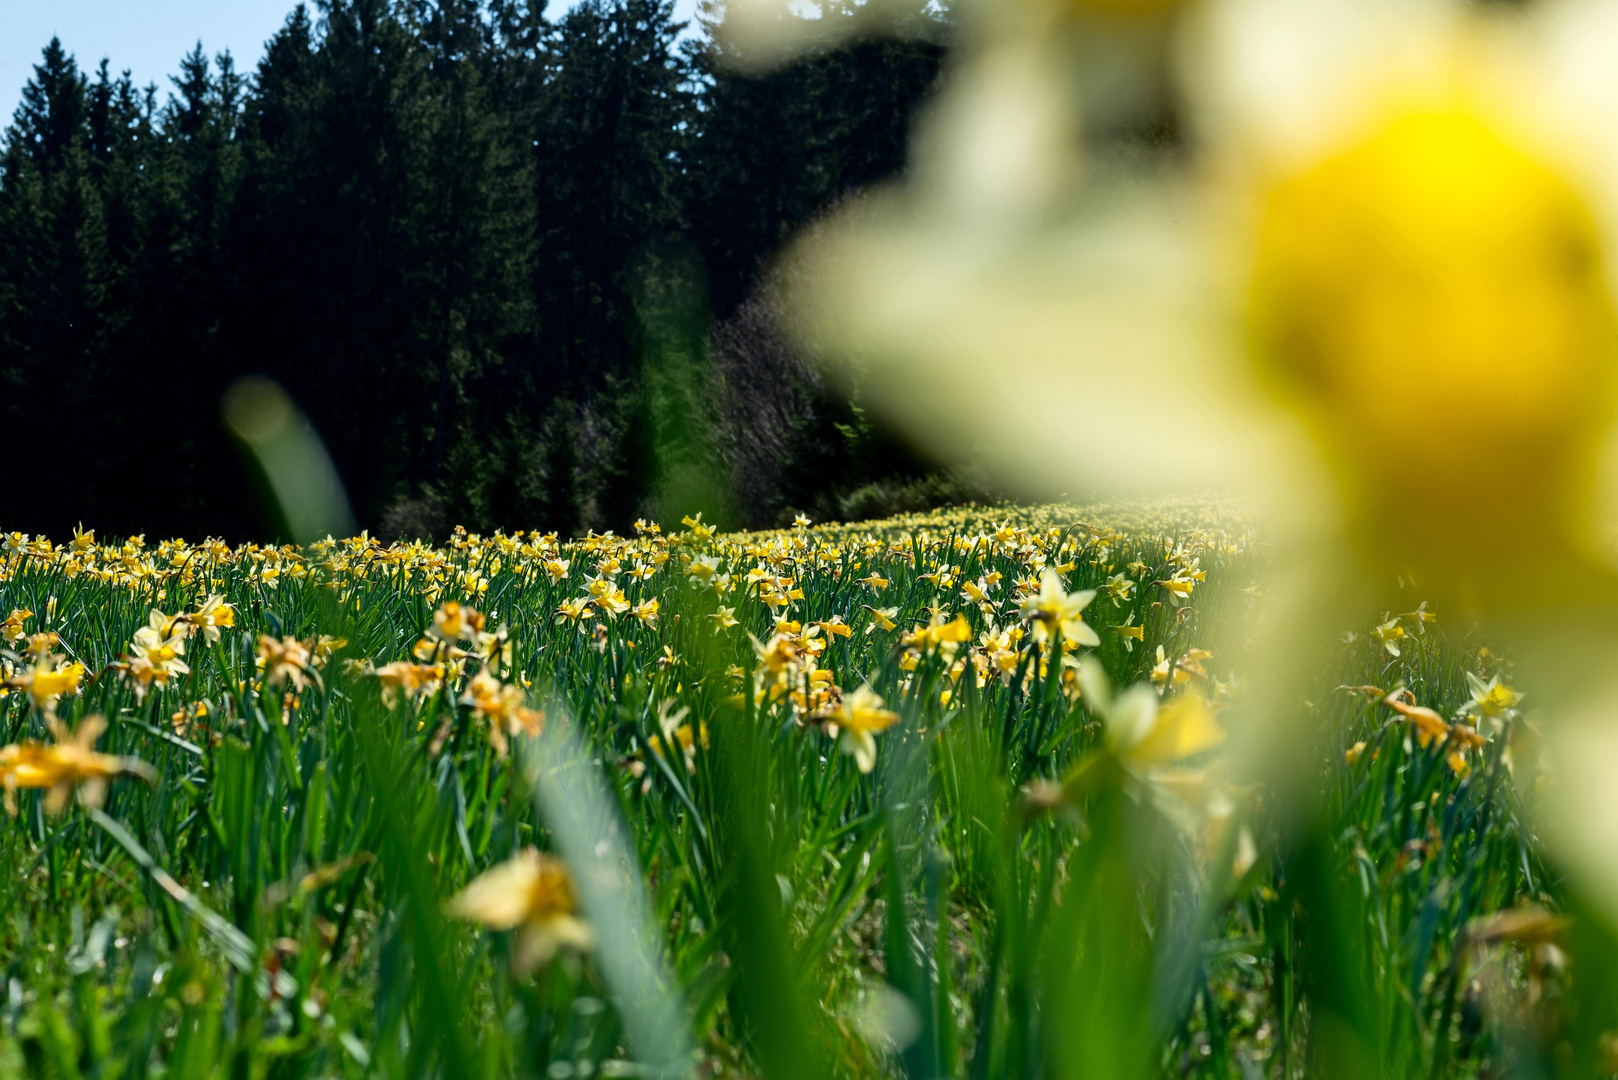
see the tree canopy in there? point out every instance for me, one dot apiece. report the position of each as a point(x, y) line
point(479, 247)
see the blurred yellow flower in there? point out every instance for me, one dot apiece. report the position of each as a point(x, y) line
point(454, 621)
point(859, 718)
point(676, 733)
point(67, 764)
point(1142, 730)
point(1433, 304)
point(12, 629)
point(531, 893)
point(1493, 701)
point(413, 680)
point(939, 633)
point(504, 706)
point(286, 661)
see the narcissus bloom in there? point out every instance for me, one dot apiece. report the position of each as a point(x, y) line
point(881, 618)
point(504, 706)
point(646, 611)
point(1389, 633)
point(1118, 587)
point(699, 531)
point(675, 732)
point(1493, 701)
point(859, 718)
point(454, 621)
point(413, 680)
point(154, 655)
point(286, 661)
point(1055, 609)
point(1130, 633)
point(12, 628)
point(48, 680)
point(575, 610)
point(531, 893)
point(612, 602)
point(67, 764)
point(212, 617)
point(1142, 729)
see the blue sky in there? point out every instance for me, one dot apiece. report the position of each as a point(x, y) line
point(146, 36)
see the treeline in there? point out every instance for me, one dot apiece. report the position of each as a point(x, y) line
point(508, 265)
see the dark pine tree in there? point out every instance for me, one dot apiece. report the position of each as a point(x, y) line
point(431, 220)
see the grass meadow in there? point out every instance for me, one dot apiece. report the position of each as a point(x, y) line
point(935, 796)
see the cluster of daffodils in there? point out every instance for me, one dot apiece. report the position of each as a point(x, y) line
point(984, 596)
point(1028, 622)
point(69, 762)
point(990, 594)
point(616, 563)
point(458, 637)
point(788, 671)
point(603, 577)
point(1491, 711)
point(155, 654)
point(132, 564)
point(1032, 624)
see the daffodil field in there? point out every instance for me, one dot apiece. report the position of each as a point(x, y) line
point(936, 796)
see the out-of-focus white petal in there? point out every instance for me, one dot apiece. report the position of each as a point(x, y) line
point(1002, 141)
point(1579, 811)
point(1571, 81)
point(1132, 715)
point(1272, 83)
point(499, 898)
point(1098, 354)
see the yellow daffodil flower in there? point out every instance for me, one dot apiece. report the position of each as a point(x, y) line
point(530, 893)
point(1053, 609)
point(69, 763)
point(413, 680)
point(1143, 730)
point(881, 618)
point(48, 680)
point(860, 717)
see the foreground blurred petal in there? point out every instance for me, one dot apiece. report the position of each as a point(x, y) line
point(1100, 356)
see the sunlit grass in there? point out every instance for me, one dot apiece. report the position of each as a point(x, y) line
point(846, 800)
